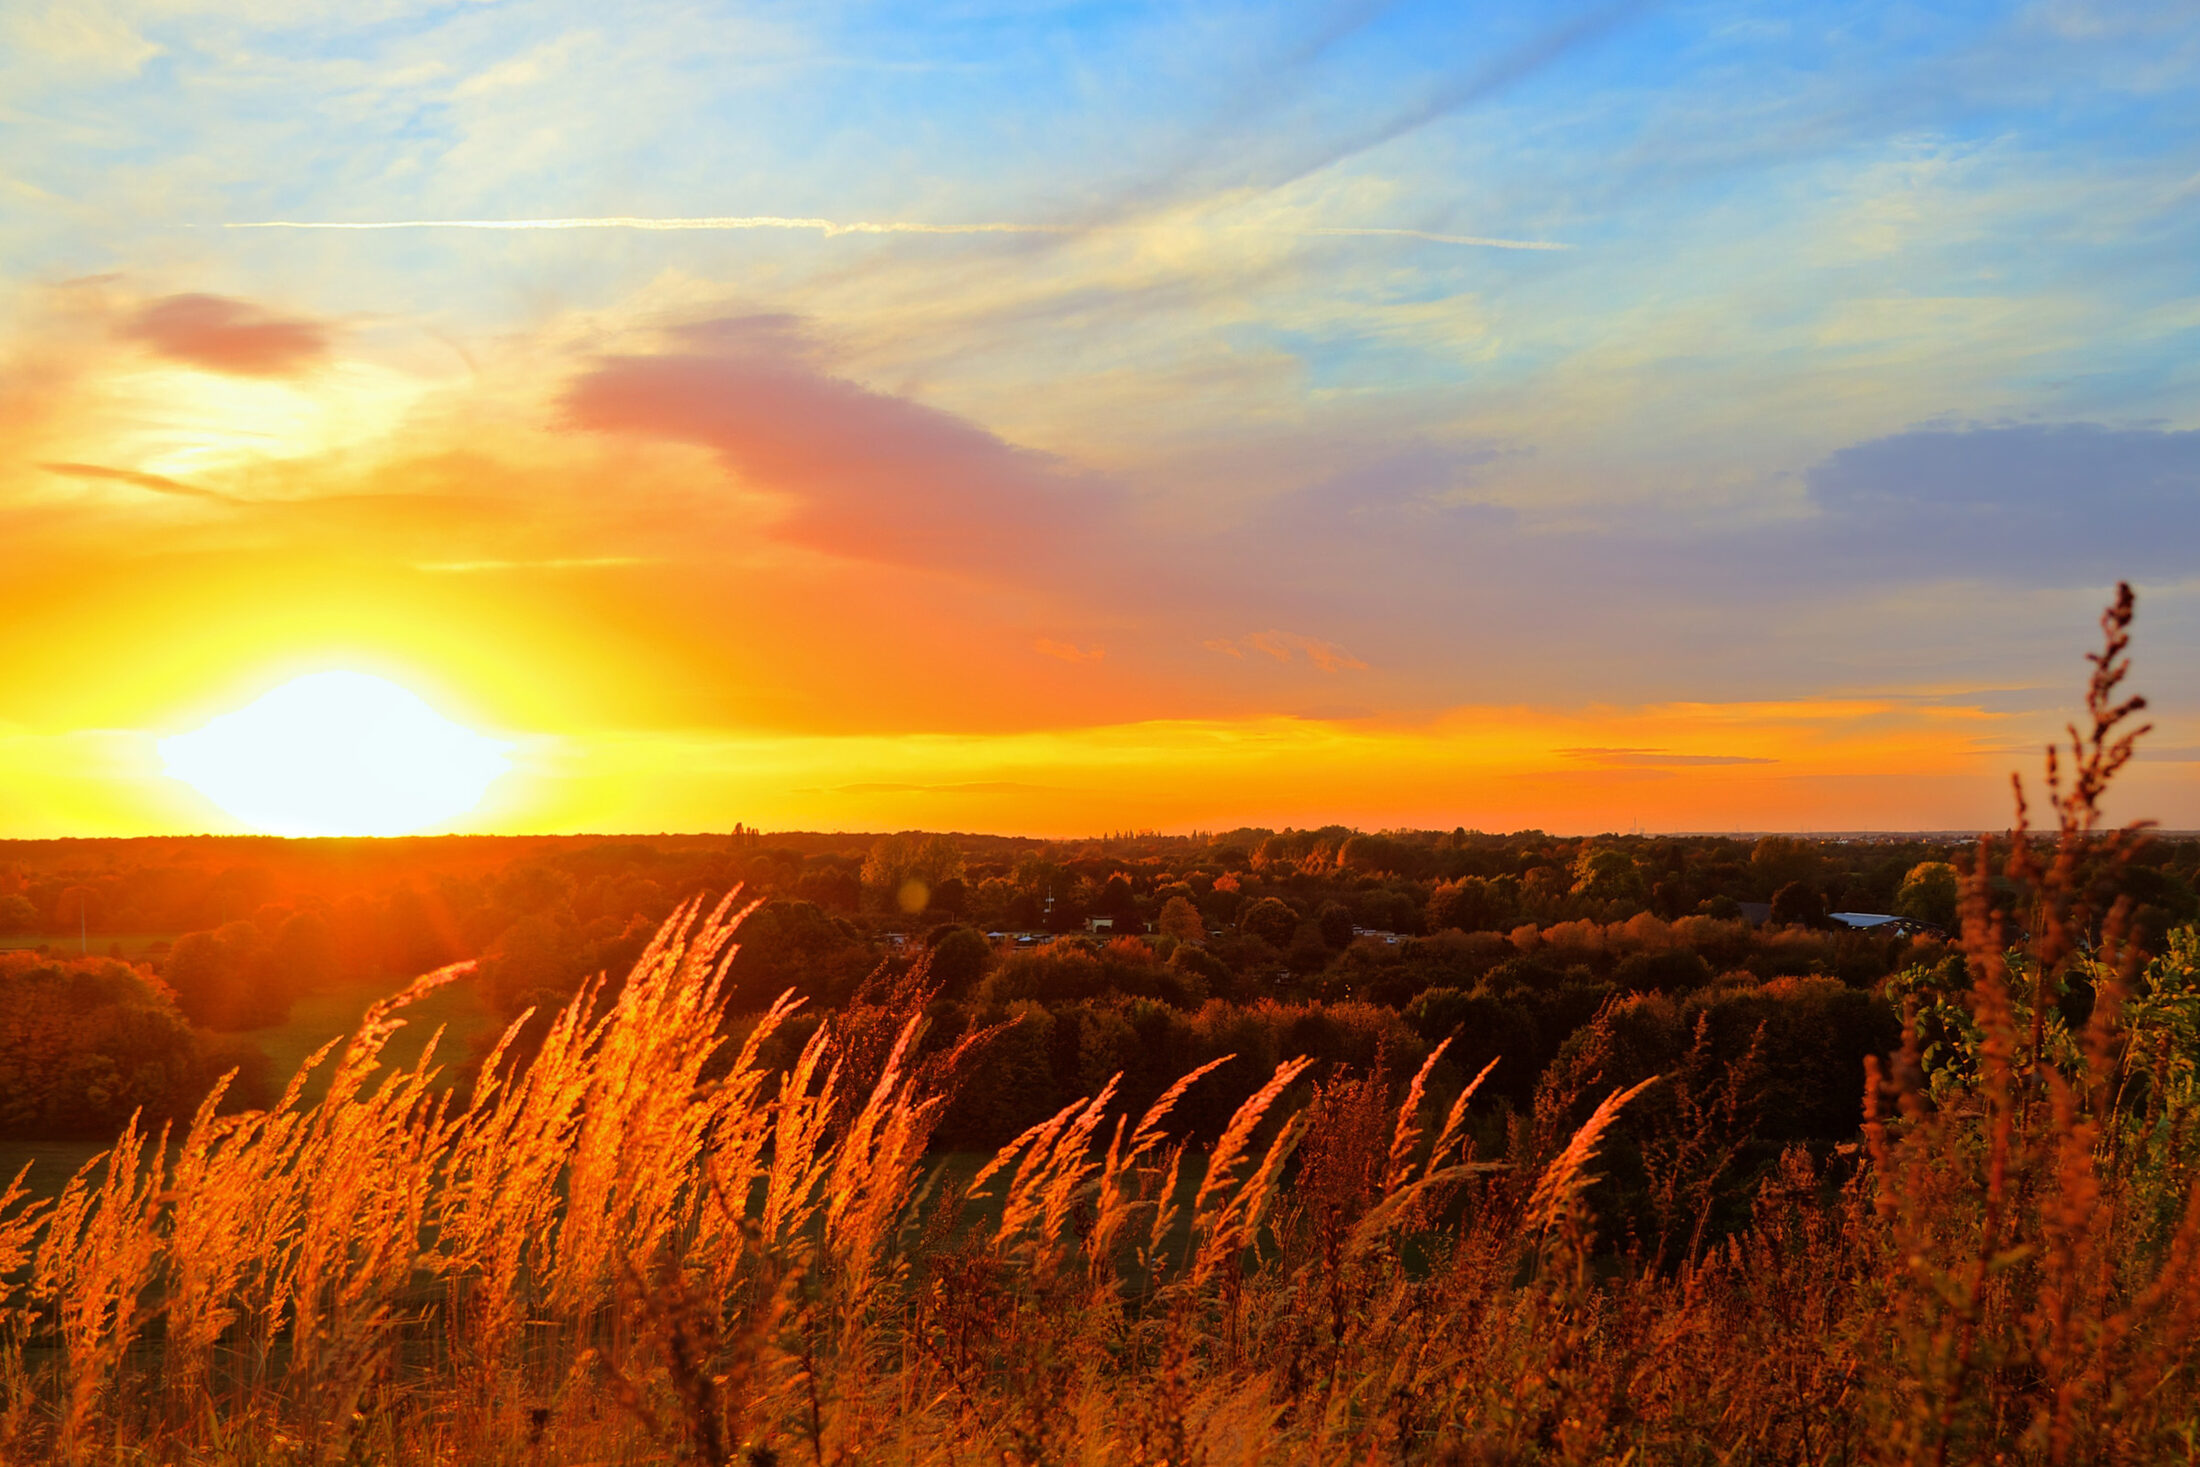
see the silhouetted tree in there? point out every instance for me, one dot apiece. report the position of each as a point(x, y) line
point(1799, 904)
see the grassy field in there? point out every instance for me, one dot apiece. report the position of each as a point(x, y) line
point(336, 1011)
point(134, 945)
point(328, 1014)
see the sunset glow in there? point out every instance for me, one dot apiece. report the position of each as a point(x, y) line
point(843, 420)
point(337, 753)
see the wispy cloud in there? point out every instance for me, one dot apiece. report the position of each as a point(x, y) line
point(158, 483)
point(828, 227)
point(1067, 651)
point(832, 228)
point(586, 562)
point(976, 787)
point(1481, 241)
point(1283, 646)
point(1658, 759)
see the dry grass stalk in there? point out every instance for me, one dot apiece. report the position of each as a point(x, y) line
point(1226, 1216)
point(1555, 1205)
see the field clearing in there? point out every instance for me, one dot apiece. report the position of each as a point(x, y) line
point(134, 945)
point(330, 1014)
point(334, 1012)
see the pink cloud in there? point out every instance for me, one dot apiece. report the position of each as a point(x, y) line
point(233, 336)
point(863, 475)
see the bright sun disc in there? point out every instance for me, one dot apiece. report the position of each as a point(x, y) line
point(337, 753)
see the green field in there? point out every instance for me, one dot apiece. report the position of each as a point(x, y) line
point(314, 1020)
point(134, 945)
point(335, 1011)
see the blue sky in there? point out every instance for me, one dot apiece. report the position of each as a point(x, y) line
point(1853, 357)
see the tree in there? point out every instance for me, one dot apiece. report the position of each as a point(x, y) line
point(800, 946)
point(17, 914)
point(951, 897)
point(959, 960)
point(1116, 900)
point(901, 870)
point(1928, 894)
point(831, 887)
point(1469, 904)
point(1308, 952)
point(1667, 970)
point(1798, 904)
point(301, 957)
point(1272, 921)
point(1604, 874)
point(537, 961)
point(1778, 860)
point(220, 978)
point(1181, 920)
point(1375, 855)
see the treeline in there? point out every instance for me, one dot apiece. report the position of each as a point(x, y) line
point(1346, 946)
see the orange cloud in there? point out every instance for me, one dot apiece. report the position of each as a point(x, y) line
point(1283, 646)
point(232, 336)
point(1067, 652)
point(1659, 759)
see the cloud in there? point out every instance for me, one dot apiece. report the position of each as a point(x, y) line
point(858, 473)
point(977, 787)
point(158, 483)
point(1067, 652)
point(2071, 501)
point(1283, 646)
point(232, 336)
point(1450, 239)
point(1657, 759)
point(78, 35)
point(557, 563)
point(830, 228)
point(1465, 88)
point(2174, 754)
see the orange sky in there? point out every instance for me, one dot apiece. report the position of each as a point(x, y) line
point(1304, 468)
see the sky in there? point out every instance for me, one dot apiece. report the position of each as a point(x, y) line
point(1064, 418)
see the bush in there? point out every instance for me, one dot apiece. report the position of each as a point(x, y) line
point(84, 1043)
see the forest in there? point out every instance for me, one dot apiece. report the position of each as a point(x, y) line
point(141, 969)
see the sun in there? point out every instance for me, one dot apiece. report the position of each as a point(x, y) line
point(337, 753)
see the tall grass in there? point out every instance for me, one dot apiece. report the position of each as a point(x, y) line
point(645, 1243)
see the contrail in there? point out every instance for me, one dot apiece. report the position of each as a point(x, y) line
point(158, 483)
point(1453, 239)
point(828, 227)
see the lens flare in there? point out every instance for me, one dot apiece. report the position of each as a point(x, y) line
point(337, 753)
